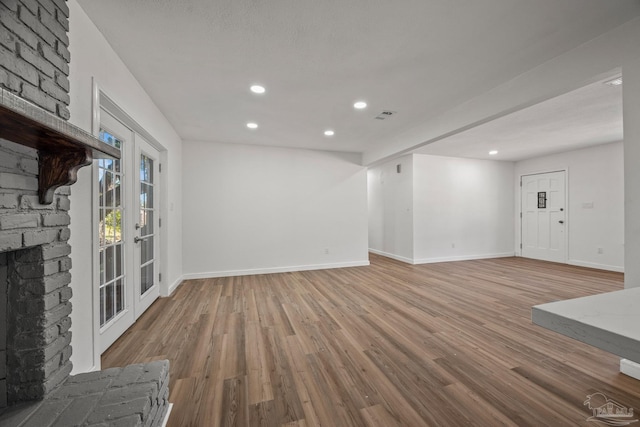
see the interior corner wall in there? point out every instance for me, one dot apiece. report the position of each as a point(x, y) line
point(595, 194)
point(391, 209)
point(463, 208)
point(251, 210)
point(93, 57)
point(631, 111)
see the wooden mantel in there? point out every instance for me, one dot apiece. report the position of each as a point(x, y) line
point(62, 147)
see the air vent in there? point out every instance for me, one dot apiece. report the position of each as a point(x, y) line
point(386, 115)
point(615, 82)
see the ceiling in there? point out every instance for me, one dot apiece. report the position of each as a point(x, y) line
point(198, 58)
point(591, 115)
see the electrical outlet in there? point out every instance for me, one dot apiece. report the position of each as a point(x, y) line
point(600, 250)
point(326, 251)
point(453, 245)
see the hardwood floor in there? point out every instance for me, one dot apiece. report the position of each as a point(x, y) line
point(387, 345)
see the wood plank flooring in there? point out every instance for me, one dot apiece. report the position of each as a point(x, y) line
point(387, 345)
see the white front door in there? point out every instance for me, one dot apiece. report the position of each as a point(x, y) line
point(128, 225)
point(544, 216)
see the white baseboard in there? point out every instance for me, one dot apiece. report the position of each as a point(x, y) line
point(596, 265)
point(463, 258)
point(166, 416)
point(272, 270)
point(175, 285)
point(392, 256)
point(630, 368)
point(93, 368)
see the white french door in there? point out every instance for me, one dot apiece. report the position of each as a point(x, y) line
point(146, 237)
point(128, 226)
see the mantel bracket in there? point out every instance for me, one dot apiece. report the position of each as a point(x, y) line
point(62, 147)
point(59, 168)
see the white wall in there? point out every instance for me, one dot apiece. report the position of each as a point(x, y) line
point(463, 208)
point(595, 176)
point(92, 57)
point(250, 209)
point(391, 209)
point(441, 209)
point(631, 108)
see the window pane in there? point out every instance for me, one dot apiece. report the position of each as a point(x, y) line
point(119, 296)
point(147, 225)
point(117, 223)
point(109, 263)
point(101, 186)
point(109, 189)
point(109, 297)
point(102, 322)
point(101, 228)
point(146, 250)
point(142, 221)
point(143, 196)
point(117, 202)
point(146, 278)
point(119, 271)
point(109, 229)
point(146, 196)
point(150, 196)
point(102, 281)
point(146, 169)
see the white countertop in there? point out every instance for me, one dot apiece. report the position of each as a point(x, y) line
point(610, 321)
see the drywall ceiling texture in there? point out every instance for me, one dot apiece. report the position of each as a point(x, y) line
point(591, 115)
point(198, 58)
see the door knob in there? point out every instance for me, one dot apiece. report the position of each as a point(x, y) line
point(139, 239)
point(561, 222)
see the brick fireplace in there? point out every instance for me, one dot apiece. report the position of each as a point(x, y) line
point(39, 156)
point(36, 388)
point(35, 261)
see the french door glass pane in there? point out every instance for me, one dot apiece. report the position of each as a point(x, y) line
point(146, 250)
point(146, 278)
point(110, 233)
point(119, 295)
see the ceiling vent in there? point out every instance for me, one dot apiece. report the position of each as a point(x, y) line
point(615, 82)
point(386, 115)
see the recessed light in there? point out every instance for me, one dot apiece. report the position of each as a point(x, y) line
point(329, 133)
point(252, 125)
point(493, 152)
point(615, 82)
point(257, 89)
point(360, 105)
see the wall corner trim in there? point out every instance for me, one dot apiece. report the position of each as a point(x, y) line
point(174, 286)
point(463, 258)
point(392, 256)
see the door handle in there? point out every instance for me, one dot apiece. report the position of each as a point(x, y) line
point(139, 239)
point(561, 222)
